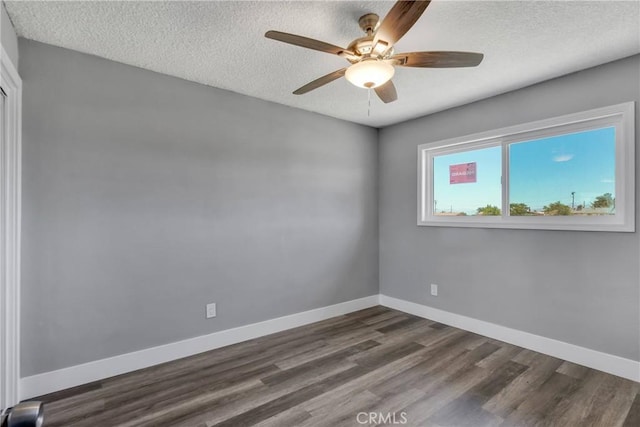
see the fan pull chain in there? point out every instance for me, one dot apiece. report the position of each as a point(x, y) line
point(369, 102)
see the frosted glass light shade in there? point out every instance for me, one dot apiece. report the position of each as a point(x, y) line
point(369, 73)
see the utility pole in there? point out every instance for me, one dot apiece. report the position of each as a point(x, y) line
point(435, 206)
point(573, 199)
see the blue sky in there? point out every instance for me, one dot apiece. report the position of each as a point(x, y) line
point(542, 171)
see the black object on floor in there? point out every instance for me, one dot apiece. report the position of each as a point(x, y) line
point(25, 414)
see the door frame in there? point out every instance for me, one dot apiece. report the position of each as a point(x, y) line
point(10, 215)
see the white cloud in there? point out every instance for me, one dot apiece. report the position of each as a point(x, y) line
point(607, 180)
point(563, 158)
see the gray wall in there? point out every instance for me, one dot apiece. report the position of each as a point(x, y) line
point(147, 196)
point(8, 36)
point(577, 287)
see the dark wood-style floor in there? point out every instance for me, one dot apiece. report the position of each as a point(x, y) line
point(377, 361)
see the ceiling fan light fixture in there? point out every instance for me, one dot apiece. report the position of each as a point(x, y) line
point(369, 73)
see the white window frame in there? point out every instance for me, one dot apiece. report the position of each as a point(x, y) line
point(10, 205)
point(620, 116)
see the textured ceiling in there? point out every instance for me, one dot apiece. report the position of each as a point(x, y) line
point(222, 44)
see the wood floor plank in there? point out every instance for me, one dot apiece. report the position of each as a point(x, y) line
point(467, 410)
point(430, 370)
point(605, 397)
point(574, 408)
point(365, 382)
point(434, 337)
point(437, 396)
point(573, 370)
point(291, 417)
point(632, 419)
point(376, 360)
point(501, 356)
point(162, 414)
point(331, 345)
point(411, 332)
point(520, 389)
point(234, 407)
point(384, 316)
point(403, 324)
point(167, 392)
point(200, 365)
point(616, 410)
point(538, 406)
point(320, 362)
point(437, 325)
point(273, 407)
point(395, 402)
point(374, 411)
point(384, 354)
point(59, 416)
point(343, 412)
point(368, 312)
point(601, 399)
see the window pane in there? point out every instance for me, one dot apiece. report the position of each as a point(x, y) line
point(571, 174)
point(468, 183)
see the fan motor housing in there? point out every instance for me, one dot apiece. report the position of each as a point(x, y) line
point(363, 46)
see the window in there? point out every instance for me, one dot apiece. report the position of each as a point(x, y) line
point(574, 172)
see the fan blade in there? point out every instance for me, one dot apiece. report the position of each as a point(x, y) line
point(387, 92)
point(438, 59)
point(320, 82)
point(307, 42)
point(398, 21)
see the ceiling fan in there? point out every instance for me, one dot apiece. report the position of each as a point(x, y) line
point(372, 57)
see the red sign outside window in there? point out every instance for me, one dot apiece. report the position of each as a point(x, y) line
point(462, 173)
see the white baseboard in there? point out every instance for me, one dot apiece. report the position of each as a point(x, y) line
point(72, 376)
point(605, 362)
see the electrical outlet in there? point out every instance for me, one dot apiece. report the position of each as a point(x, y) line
point(211, 310)
point(434, 289)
